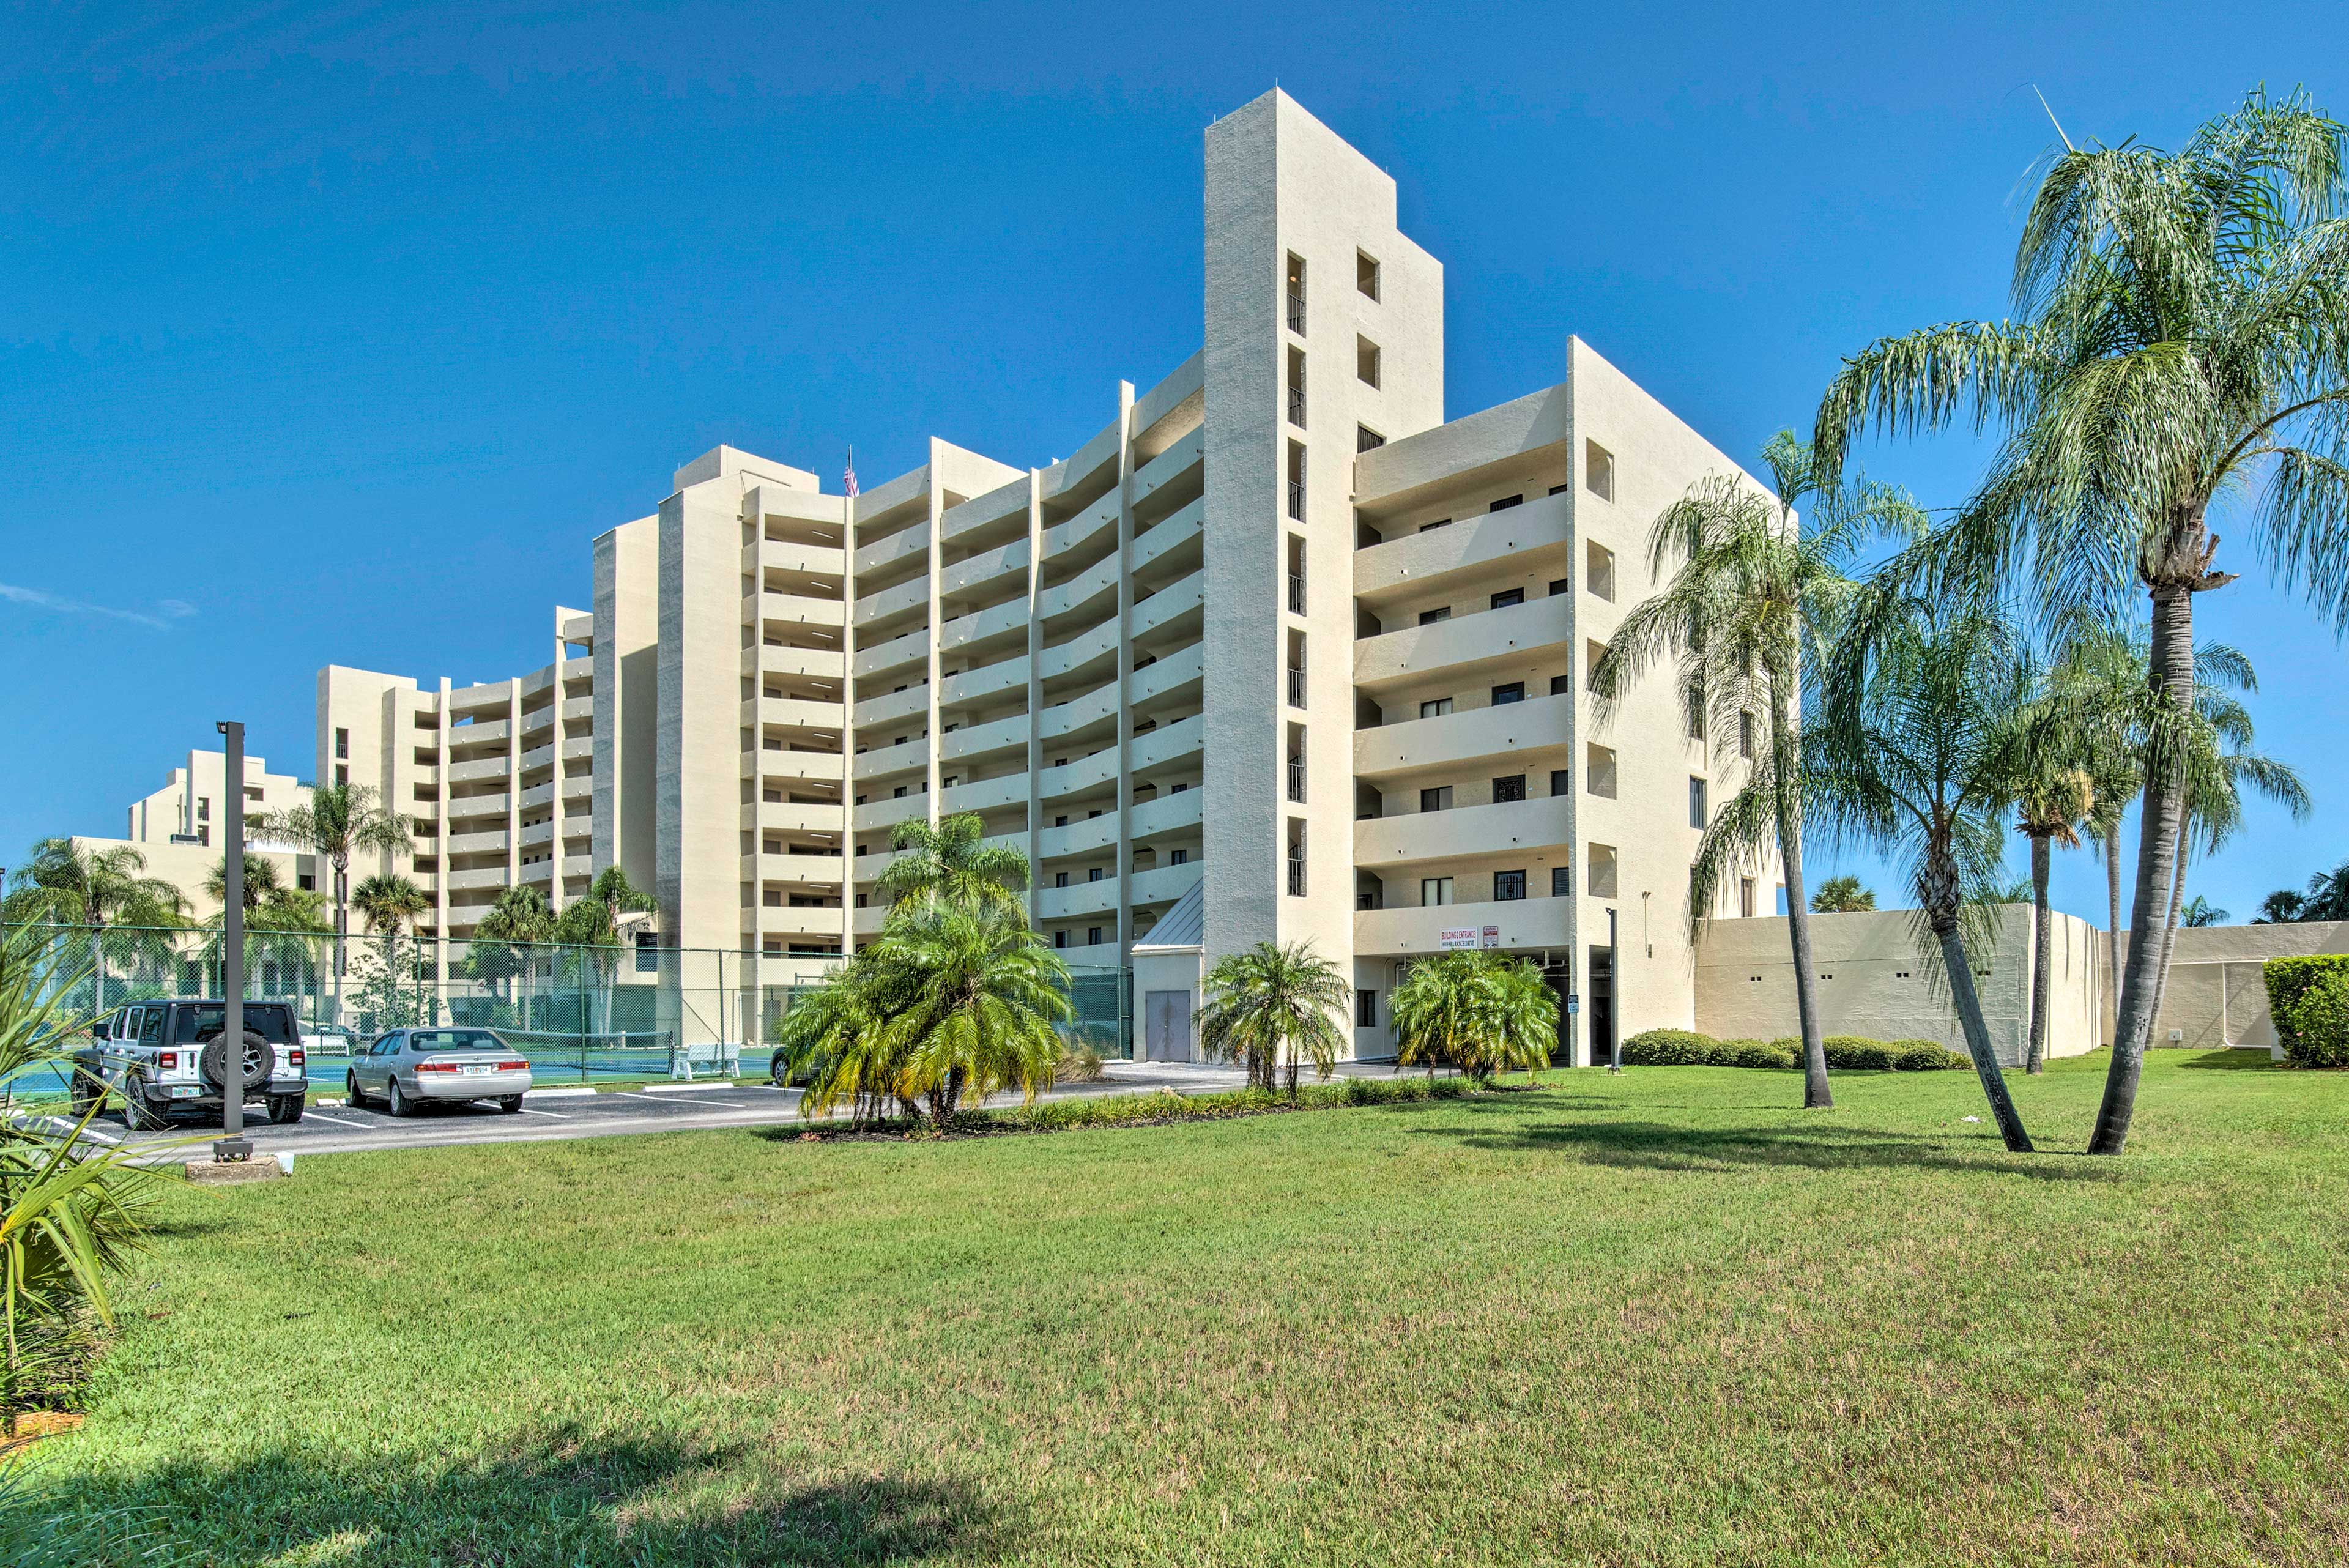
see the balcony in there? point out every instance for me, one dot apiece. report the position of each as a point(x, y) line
point(976, 741)
point(989, 681)
point(1519, 923)
point(1170, 536)
point(888, 813)
point(530, 837)
point(1529, 539)
point(1296, 877)
point(1167, 742)
point(794, 609)
point(1297, 688)
point(478, 843)
point(913, 700)
point(1083, 529)
point(1473, 737)
point(481, 732)
point(800, 816)
point(1297, 593)
point(785, 921)
point(1005, 620)
point(896, 654)
point(1297, 781)
point(481, 876)
point(1174, 673)
point(902, 600)
point(808, 560)
point(1163, 884)
point(786, 713)
point(1296, 314)
point(985, 795)
point(579, 866)
point(824, 871)
point(1296, 501)
point(829, 767)
point(1091, 592)
point(1080, 774)
point(1077, 713)
point(472, 805)
point(1297, 406)
point(883, 760)
point(1085, 836)
point(579, 748)
point(987, 566)
point(1078, 899)
point(1094, 650)
point(1540, 823)
point(1465, 642)
point(496, 767)
point(1168, 814)
point(1176, 599)
point(816, 663)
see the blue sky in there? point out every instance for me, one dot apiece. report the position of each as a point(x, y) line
point(335, 334)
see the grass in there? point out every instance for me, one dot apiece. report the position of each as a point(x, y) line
point(1662, 1318)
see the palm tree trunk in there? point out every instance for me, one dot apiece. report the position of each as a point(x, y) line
point(1816, 1095)
point(2112, 845)
point(1970, 1020)
point(2042, 930)
point(342, 930)
point(2161, 825)
point(2169, 939)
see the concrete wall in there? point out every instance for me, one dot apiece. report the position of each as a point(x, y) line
point(1872, 982)
point(2217, 995)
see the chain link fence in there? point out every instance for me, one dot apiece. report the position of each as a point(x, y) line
point(577, 1013)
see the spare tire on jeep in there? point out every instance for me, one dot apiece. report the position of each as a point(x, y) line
point(259, 1059)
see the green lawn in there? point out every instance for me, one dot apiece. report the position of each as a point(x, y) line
point(1659, 1318)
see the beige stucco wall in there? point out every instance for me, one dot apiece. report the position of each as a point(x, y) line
point(1873, 983)
point(2217, 995)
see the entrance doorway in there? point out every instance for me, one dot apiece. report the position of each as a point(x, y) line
point(1602, 1005)
point(1166, 1026)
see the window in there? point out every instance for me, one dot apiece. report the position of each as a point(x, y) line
point(1435, 708)
point(1179, 788)
point(1561, 685)
point(1367, 440)
point(1599, 770)
point(1366, 275)
point(1602, 871)
point(1437, 799)
point(1697, 812)
point(1745, 897)
point(1060, 822)
point(1059, 938)
point(1094, 874)
point(1506, 501)
point(1297, 294)
point(1059, 878)
point(1561, 881)
point(342, 773)
point(1598, 571)
point(1434, 892)
point(1512, 691)
point(860, 901)
point(1508, 597)
point(1509, 787)
point(1508, 887)
point(1092, 936)
point(897, 793)
point(1434, 617)
point(342, 743)
point(1366, 1010)
point(1432, 527)
point(307, 883)
point(1180, 857)
point(1297, 388)
point(1561, 781)
point(1558, 586)
point(1746, 735)
point(1694, 698)
point(1366, 361)
point(1599, 471)
point(1297, 482)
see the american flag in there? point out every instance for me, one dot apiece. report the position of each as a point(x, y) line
point(850, 477)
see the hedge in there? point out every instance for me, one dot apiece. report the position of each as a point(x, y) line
point(1166, 1105)
point(2307, 1005)
point(1848, 1052)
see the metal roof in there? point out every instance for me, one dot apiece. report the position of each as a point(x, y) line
point(1185, 925)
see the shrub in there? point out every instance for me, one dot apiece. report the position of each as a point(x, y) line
point(2319, 1034)
point(1859, 1053)
point(2290, 981)
point(1760, 1054)
point(1925, 1056)
point(1079, 1064)
point(1166, 1105)
point(1671, 1048)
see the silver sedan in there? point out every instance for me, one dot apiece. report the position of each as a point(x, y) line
point(409, 1067)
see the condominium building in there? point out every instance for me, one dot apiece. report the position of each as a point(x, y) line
point(196, 798)
point(491, 778)
point(1278, 653)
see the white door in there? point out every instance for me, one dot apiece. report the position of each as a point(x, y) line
point(1166, 1026)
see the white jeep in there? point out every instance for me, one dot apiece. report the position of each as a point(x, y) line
point(162, 1056)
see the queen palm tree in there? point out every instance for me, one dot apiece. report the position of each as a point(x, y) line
point(106, 890)
point(337, 822)
point(1911, 750)
point(2181, 350)
point(1480, 1011)
point(952, 863)
point(1754, 593)
point(1845, 894)
point(2201, 912)
point(1272, 1004)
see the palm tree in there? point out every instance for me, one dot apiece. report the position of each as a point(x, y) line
point(1756, 593)
point(985, 992)
point(387, 901)
point(2053, 795)
point(2183, 346)
point(106, 890)
point(1844, 895)
point(2201, 912)
point(337, 822)
point(589, 927)
point(261, 879)
point(951, 863)
point(1911, 750)
point(1275, 1003)
point(520, 918)
point(1480, 1011)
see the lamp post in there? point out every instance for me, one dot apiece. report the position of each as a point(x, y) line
point(1614, 996)
point(232, 1144)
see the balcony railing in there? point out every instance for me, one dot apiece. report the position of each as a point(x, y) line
point(1296, 689)
point(1296, 314)
point(1297, 500)
point(1297, 593)
point(1297, 406)
point(1296, 780)
point(1297, 876)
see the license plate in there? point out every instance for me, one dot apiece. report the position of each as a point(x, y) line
point(482, 1070)
point(184, 1091)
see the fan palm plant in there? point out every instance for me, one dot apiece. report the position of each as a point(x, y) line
point(388, 901)
point(589, 927)
point(337, 822)
point(833, 1038)
point(952, 863)
point(1275, 1004)
point(1911, 750)
point(2181, 350)
point(1480, 1011)
point(1845, 894)
point(107, 891)
point(1756, 592)
point(506, 940)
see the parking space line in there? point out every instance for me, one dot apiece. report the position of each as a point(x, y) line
point(696, 1103)
point(558, 1115)
point(321, 1115)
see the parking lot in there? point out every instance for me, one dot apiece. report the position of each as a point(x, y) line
point(569, 1113)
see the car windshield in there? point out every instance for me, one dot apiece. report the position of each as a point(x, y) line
point(455, 1040)
point(270, 1019)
